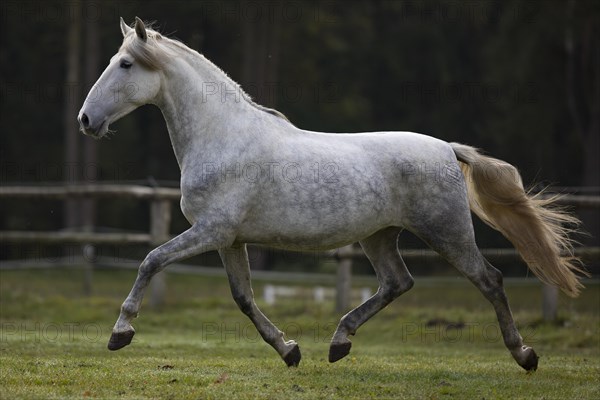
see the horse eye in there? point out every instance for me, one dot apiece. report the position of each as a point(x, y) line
point(125, 64)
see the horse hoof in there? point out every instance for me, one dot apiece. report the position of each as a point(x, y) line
point(292, 359)
point(339, 351)
point(118, 340)
point(531, 360)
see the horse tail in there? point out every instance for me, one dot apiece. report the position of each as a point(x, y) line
point(532, 223)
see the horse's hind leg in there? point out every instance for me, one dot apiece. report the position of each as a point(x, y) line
point(453, 238)
point(235, 260)
point(489, 281)
point(394, 279)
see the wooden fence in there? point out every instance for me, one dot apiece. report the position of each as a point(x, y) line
point(160, 219)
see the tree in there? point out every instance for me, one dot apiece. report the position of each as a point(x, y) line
point(72, 216)
point(582, 46)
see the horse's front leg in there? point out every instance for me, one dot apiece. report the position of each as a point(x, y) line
point(237, 266)
point(194, 241)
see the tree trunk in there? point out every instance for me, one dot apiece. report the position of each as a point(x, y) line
point(583, 101)
point(71, 108)
point(90, 168)
point(261, 54)
point(90, 161)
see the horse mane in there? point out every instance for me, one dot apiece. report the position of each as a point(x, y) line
point(155, 52)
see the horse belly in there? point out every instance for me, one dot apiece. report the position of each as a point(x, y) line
point(308, 217)
point(296, 235)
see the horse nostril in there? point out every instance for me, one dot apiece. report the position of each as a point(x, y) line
point(85, 121)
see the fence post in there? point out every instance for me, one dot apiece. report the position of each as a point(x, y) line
point(88, 218)
point(89, 255)
point(344, 279)
point(160, 221)
point(550, 302)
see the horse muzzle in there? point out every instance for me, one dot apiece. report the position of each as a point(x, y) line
point(95, 128)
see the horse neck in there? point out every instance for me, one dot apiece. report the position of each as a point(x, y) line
point(200, 105)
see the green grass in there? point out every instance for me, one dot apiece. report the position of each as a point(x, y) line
point(53, 344)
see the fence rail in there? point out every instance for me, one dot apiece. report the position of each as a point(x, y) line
point(92, 190)
point(160, 218)
point(74, 237)
point(147, 192)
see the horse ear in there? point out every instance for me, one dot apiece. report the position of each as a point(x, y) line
point(140, 29)
point(125, 29)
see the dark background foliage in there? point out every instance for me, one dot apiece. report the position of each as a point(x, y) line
point(517, 78)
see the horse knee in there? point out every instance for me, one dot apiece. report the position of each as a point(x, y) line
point(151, 263)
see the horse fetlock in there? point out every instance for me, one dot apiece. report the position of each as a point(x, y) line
point(514, 342)
point(129, 310)
point(347, 327)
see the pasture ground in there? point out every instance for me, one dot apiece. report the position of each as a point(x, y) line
point(438, 341)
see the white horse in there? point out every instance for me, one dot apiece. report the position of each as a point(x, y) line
point(250, 176)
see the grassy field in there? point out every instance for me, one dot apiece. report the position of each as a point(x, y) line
point(439, 341)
